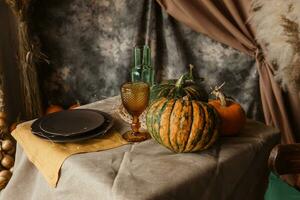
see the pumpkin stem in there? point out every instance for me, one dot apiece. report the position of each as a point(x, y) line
point(189, 76)
point(179, 83)
point(222, 99)
point(219, 95)
point(191, 71)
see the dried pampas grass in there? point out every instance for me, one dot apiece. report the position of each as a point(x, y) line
point(277, 24)
point(29, 55)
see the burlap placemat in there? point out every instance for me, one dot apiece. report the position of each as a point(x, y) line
point(48, 157)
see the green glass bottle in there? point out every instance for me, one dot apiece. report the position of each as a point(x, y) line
point(142, 69)
point(136, 70)
point(147, 70)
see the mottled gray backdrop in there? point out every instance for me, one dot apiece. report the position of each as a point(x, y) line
point(90, 47)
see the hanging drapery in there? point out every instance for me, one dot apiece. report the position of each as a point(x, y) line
point(28, 56)
point(277, 24)
point(227, 22)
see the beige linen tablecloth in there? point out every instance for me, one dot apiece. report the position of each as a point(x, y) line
point(234, 168)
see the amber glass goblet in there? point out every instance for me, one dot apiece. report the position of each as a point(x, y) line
point(135, 97)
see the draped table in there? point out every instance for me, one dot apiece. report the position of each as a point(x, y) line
point(234, 168)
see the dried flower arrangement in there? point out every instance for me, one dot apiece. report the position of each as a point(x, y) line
point(277, 28)
point(292, 31)
point(29, 55)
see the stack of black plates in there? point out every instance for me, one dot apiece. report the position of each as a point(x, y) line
point(72, 125)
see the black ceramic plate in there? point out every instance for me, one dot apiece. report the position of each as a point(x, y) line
point(108, 122)
point(71, 122)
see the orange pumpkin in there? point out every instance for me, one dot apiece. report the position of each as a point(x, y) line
point(77, 104)
point(232, 115)
point(3, 115)
point(13, 126)
point(53, 109)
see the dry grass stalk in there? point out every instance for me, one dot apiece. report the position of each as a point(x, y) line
point(29, 55)
point(292, 32)
point(276, 23)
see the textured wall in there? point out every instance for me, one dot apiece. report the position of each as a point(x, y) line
point(90, 46)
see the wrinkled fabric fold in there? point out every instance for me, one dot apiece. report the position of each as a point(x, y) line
point(206, 17)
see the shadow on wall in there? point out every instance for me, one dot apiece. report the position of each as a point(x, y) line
point(90, 47)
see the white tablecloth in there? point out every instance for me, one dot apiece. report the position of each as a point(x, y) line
point(234, 168)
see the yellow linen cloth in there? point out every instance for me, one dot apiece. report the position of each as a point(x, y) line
point(48, 156)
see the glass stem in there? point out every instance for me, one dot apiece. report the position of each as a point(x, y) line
point(135, 126)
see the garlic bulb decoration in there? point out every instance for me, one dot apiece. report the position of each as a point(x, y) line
point(3, 182)
point(7, 161)
point(12, 151)
point(6, 174)
point(7, 145)
point(2, 123)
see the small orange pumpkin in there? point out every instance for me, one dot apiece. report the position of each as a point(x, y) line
point(53, 109)
point(232, 115)
point(77, 104)
point(3, 115)
point(13, 126)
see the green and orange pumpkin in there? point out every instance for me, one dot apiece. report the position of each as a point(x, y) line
point(179, 121)
point(182, 124)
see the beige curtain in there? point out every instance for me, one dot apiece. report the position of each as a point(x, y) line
point(226, 22)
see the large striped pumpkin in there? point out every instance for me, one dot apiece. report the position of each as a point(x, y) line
point(182, 124)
